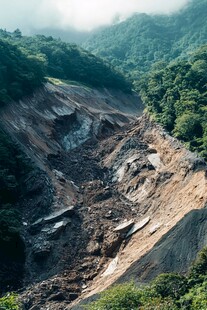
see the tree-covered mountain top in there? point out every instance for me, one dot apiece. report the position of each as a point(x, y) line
point(24, 61)
point(141, 40)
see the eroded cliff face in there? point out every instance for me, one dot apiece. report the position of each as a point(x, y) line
point(63, 117)
point(119, 185)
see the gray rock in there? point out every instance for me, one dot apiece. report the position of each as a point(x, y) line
point(57, 297)
point(124, 227)
point(41, 250)
point(136, 227)
point(57, 229)
point(59, 175)
point(93, 248)
point(35, 307)
point(154, 228)
point(67, 212)
point(53, 217)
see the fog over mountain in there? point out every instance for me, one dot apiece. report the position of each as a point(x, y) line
point(82, 15)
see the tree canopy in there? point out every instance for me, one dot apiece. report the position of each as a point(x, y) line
point(176, 95)
point(25, 61)
point(136, 44)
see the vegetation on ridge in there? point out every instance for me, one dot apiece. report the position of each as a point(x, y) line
point(137, 43)
point(9, 302)
point(176, 95)
point(24, 61)
point(19, 72)
point(162, 54)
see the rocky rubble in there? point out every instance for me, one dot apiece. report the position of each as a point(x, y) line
point(104, 201)
point(126, 205)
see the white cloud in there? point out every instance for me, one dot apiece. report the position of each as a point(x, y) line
point(80, 14)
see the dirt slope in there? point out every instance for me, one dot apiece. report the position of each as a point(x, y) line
point(174, 251)
point(104, 168)
point(164, 182)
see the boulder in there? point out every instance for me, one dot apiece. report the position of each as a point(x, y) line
point(57, 229)
point(136, 227)
point(93, 248)
point(54, 217)
point(154, 228)
point(124, 227)
point(73, 296)
point(111, 267)
point(57, 297)
point(41, 250)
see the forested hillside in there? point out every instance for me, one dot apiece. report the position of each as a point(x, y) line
point(137, 43)
point(172, 48)
point(20, 73)
point(25, 61)
point(176, 95)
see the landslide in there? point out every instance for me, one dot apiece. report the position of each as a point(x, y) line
point(106, 167)
point(60, 127)
point(166, 187)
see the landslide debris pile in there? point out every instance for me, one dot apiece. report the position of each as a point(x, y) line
point(116, 193)
point(161, 182)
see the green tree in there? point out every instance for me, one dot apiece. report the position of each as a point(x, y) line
point(170, 285)
point(188, 127)
point(10, 302)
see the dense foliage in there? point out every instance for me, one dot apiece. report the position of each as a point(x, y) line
point(166, 292)
point(137, 43)
point(9, 302)
point(175, 91)
point(176, 95)
point(19, 72)
point(24, 61)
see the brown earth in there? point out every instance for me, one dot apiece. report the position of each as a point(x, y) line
point(113, 168)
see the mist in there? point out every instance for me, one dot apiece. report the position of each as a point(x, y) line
point(81, 15)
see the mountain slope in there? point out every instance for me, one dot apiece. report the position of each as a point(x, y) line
point(101, 171)
point(140, 41)
point(175, 95)
point(25, 61)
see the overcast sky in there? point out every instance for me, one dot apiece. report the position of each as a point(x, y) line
point(80, 14)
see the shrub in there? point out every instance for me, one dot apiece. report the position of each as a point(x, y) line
point(125, 297)
point(170, 285)
point(128, 297)
point(9, 302)
point(199, 268)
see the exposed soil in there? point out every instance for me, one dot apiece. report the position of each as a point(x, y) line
point(126, 169)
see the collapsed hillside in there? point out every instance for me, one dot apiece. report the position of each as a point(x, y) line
point(105, 168)
point(163, 182)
